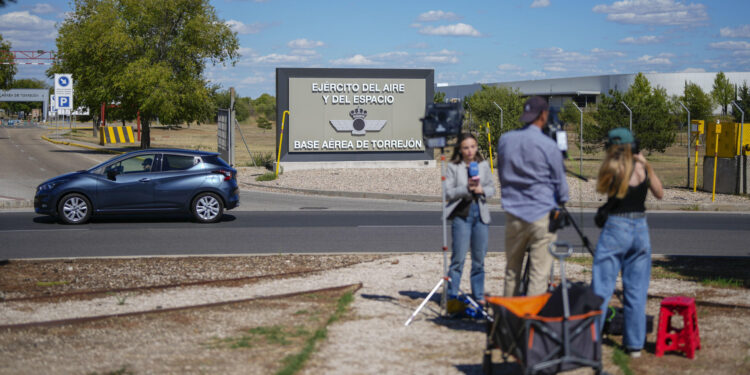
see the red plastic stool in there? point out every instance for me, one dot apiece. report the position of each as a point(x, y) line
point(687, 339)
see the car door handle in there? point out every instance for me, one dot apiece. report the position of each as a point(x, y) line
point(145, 179)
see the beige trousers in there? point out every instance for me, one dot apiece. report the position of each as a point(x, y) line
point(519, 236)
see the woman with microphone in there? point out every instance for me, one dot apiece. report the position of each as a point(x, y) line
point(468, 184)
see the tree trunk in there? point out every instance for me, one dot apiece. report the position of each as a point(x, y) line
point(145, 132)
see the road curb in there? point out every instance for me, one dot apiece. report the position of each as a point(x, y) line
point(19, 203)
point(654, 206)
point(44, 137)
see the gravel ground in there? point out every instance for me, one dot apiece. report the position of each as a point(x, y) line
point(371, 340)
point(426, 182)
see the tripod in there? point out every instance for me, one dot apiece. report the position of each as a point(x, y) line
point(445, 278)
point(566, 219)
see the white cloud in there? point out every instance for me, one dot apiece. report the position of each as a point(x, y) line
point(739, 32)
point(654, 12)
point(304, 52)
point(540, 4)
point(646, 39)
point(438, 15)
point(604, 54)
point(254, 80)
point(738, 48)
point(533, 74)
point(459, 29)
point(305, 44)
point(441, 57)
point(507, 67)
point(43, 8)
point(276, 58)
point(693, 70)
point(652, 60)
point(241, 28)
point(555, 68)
point(25, 30)
point(357, 60)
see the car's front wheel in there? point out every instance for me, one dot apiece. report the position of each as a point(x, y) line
point(207, 208)
point(74, 209)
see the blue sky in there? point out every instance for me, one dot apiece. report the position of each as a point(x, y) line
point(465, 42)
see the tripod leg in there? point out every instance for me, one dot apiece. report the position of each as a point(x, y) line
point(524, 286)
point(413, 315)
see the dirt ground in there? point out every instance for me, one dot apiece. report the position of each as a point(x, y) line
point(260, 336)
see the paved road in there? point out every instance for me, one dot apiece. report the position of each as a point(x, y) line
point(311, 228)
point(26, 160)
point(274, 223)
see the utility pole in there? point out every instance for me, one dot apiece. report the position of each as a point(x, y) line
point(688, 144)
point(631, 116)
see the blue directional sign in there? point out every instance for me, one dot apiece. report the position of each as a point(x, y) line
point(64, 92)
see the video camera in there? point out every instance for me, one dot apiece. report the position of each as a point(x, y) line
point(441, 121)
point(554, 129)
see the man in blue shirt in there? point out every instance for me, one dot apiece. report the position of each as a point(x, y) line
point(532, 181)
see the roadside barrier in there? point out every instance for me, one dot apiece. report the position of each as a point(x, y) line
point(116, 134)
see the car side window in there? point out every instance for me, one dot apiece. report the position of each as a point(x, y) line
point(136, 164)
point(172, 162)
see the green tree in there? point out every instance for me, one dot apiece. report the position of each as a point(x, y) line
point(263, 123)
point(743, 93)
point(222, 99)
point(698, 102)
point(439, 97)
point(147, 55)
point(7, 68)
point(483, 110)
point(723, 91)
point(265, 106)
point(653, 121)
point(592, 133)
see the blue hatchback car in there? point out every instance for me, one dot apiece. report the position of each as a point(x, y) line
point(153, 180)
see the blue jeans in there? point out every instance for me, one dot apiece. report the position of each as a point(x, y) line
point(470, 231)
point(624, 244)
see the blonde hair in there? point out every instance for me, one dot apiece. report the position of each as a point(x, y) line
point(614, 174)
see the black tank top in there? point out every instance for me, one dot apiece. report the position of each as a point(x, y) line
point(633, 201)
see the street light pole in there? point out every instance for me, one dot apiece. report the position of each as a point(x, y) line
point(501, 116)
point(631, 116)
point(743, 189)
point(580, 162)
point(688, 144)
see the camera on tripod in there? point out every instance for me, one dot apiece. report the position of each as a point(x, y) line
point(554, 129)
point(441, 121)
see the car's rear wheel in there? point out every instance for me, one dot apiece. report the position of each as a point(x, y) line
point(207, 208)
point(74, 209)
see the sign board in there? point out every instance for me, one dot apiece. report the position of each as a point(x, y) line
point(353, 114)
point(225, 136)
point(64, 92)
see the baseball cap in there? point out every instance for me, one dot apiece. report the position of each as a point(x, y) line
point(532, 108)
point(620, 136)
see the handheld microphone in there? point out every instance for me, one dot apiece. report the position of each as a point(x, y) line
point(474, 171)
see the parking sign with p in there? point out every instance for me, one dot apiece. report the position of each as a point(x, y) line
point(64, 91)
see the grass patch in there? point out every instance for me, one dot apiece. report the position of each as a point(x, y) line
point(270, 176)
point(721, 282)
point(294, 363)
point(621, 360)
point(691, 207)
point(51, 283)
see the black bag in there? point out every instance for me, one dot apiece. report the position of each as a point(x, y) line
point(614, 323)
point(602, 213)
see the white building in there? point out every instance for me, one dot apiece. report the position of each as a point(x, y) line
point(585, 90)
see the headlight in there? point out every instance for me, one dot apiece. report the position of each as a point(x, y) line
point(49, 185)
